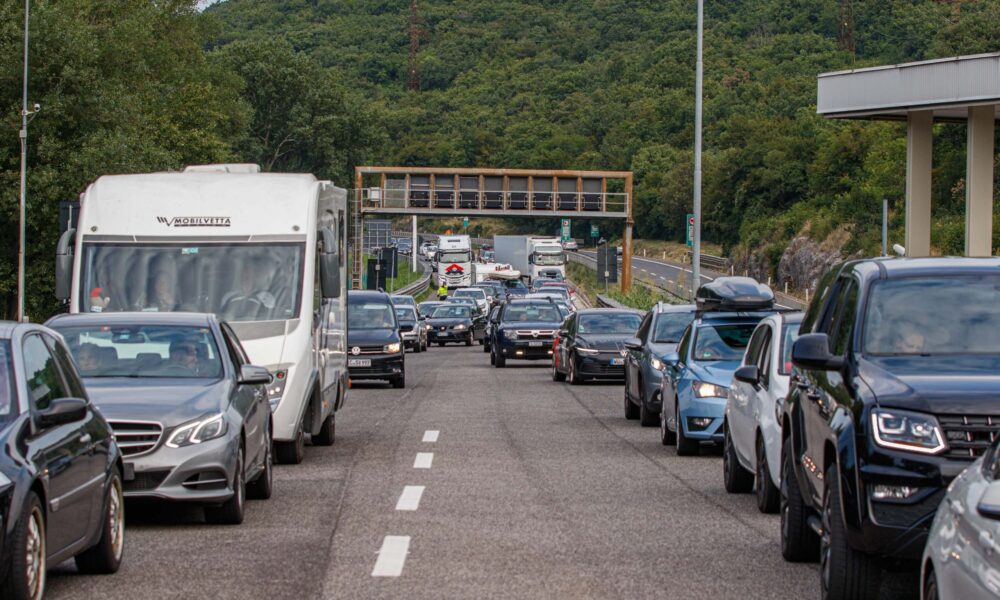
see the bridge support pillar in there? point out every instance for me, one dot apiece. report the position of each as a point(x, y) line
point(979, 182)
point(413, 247)
point(919, 146)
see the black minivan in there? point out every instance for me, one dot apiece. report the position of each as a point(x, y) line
point(895, 390)
point(374, 346)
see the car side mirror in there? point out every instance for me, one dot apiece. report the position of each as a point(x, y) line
point(61, 411)
point(748, 374)
point(633, 344)
point(329, 265)
point(64, 264)
point(252, 374)
point(989, 503)
point(812, 351)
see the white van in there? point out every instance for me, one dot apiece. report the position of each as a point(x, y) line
point(264, 251)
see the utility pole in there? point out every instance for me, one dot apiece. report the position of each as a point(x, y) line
point(23, 135)
point(413, 76)
point(696, 245)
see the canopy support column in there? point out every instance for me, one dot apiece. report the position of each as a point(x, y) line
point(919, 145)
point(979, 182)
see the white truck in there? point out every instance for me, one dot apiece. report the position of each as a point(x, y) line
point(454, 261)
point(534, 257)
point(264, 251)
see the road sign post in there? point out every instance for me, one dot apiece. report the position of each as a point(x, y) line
point(565, 230)
point(690, 230)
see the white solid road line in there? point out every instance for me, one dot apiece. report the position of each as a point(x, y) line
point(410, 498)
point(423, 460)
point(392, 556)
point(431, 435)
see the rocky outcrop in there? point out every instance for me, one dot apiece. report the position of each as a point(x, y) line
point(801, 264)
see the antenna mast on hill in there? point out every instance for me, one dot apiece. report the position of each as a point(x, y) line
point(845, 34)
point(413, 77)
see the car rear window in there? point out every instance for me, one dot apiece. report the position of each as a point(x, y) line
point(933, 315)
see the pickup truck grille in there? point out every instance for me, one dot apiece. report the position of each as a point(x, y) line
point(136, 437)
point(968, 436)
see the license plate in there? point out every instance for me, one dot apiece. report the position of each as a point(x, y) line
point(535, 344)
point(129, 474)
point(359, 362)
point(617, 362)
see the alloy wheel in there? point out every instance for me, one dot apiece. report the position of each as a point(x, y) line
point(35, 554)
point(116, 518)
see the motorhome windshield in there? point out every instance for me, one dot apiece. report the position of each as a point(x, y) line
point(546, 258)
point(455, 256)
point(239, 282)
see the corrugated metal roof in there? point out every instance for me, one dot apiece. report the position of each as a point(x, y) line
point(947, 86)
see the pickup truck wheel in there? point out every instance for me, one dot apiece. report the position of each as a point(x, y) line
point(499, 360)
point(106, 555)
point(667, 437)
point(291, 453)
point(737, 479)
point(685, 445)
point(844, 572)
point(231, 512)
point(798, 541)
point(768, 496)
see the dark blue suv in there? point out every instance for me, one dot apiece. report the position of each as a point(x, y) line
point(526, 330)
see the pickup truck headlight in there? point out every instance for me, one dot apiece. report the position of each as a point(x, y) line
point(905, 430)
point(392, 348)
point(196, 432)
point(709, 390)
point(657, 364)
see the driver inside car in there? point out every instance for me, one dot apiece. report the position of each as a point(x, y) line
point(184, 353)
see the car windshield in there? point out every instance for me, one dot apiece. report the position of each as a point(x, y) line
point(163, 351)
point(515, 284)
point(452, 312)
point(403, 300)
point(609, 323)
point(470, 293)
point(670, 327)
point(427, 308)
point(933, 315)
point(722, 341)
point(8, 399)
point(369, 315)
point(532, 312)
point(239, 282)
point(549, 259)
point(788, 337)
point(455, 256)
point(405, 314)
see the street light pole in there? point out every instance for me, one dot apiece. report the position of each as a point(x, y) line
point(696, 254)
point(23, 134)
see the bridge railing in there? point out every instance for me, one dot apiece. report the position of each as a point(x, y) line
point(415, 199)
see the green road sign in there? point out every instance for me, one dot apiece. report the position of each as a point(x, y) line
point(690, 230)
point(565, 230)
point(465, 222)
point(594, 231)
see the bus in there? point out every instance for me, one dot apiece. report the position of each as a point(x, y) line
point(264, 251)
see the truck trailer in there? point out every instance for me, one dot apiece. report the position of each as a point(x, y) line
point(534, 257)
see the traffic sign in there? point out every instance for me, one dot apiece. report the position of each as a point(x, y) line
point(465, 222)
point(594, 232)
point(690, 230)
point(565, 230)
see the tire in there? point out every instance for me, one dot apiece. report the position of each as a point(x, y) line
point(845, 573)
point(931, 591)
point(737, 479)
point(424, 346)
point(685, 446)
point(647, 418)
point(768, 494)
point(799, 542)
point(28, 538)
point(486, 347)
point(493, 358)
point(499, 361)
point(291, 453)
point(441, 344)
point(468, 342)
point(105, 556)
point(262, 487)
point(416, 347)
point(399, 381)
point(231, 511)
point(631, 410)
point(557, 375)
point(572, 377)
point(327, 431)
point(667, 437)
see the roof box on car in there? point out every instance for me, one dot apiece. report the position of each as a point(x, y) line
point(735, 294)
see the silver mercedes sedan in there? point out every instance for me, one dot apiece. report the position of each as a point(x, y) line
point(188, 411)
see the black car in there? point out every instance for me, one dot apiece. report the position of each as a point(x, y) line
point(426, 308)
point(478, 316)
point(655, 345)
point(491, 324)
point(895, 390)
point(526, 330)
point(60, 471)
point(189, 411)
point(453, 322)
point(591, 344)
point(374, 346)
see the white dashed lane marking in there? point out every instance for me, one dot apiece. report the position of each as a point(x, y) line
point(431, 435)
point(410, 498)
point(392, 556)
point(423, 460)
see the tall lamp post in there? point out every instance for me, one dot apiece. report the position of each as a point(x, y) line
point(696, 242)
point(23, 135)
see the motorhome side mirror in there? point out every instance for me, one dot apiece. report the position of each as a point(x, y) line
point(252, 374)
point(812, 351)
point(64, 264)
point(329, 275)
point(633, 344)
point(747, 374)
point(61, 411)
point(989, 503)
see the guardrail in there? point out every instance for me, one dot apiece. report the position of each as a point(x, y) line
point(606, 302)
point(420, 285)
point(708, 261)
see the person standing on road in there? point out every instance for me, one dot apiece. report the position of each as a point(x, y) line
point(443, 292)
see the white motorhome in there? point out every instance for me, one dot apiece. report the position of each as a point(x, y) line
point(454, 260)
point(264, 251)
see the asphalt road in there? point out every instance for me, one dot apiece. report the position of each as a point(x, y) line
point(535, 489)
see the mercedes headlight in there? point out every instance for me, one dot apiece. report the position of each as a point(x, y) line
point(708, 390)
point(198, 431)
point(392, 348)
point(905, 430)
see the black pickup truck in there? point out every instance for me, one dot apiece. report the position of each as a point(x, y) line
point(895, 390)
